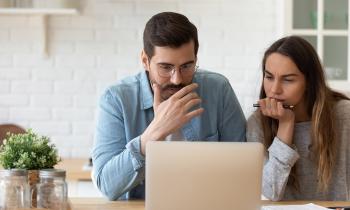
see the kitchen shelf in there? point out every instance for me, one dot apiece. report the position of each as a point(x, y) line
point(43, 13)
point(37, 11)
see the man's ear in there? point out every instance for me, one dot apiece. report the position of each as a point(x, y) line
point(144, 60)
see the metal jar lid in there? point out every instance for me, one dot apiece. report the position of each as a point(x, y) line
point(14, 172)
point(51, 173)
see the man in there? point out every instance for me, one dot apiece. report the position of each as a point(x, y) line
point(170, 100)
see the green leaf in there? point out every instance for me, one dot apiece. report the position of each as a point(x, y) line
point(28, 151)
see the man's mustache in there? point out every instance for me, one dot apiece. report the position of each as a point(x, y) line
point(171, 86)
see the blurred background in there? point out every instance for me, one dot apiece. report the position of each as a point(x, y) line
point(57, 56)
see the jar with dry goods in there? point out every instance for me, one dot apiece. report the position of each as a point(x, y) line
point(52, 190)
point(14, 189)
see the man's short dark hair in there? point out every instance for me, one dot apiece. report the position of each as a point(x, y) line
point(168, 29)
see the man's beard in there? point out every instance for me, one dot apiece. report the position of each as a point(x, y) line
point(170, 89)
point(172, 86)
point(166, 88)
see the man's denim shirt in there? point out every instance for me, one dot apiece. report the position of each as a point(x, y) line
point(125, 111)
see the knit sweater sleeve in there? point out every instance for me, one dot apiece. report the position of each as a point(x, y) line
point(279, 160)
point(342, 116)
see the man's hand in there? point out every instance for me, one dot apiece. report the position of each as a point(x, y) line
point(171, 114)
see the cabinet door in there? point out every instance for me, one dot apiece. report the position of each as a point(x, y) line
point(335, 14)
point(335, 54)
point(329, 37)
point(336, 57)
point(312, 40)
point(304, 14)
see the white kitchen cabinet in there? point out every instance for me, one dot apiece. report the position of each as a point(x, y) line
point(330, 37)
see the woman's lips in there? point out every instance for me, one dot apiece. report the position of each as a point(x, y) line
point(279, 100)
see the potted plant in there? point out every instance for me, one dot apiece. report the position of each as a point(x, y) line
point(28, 151)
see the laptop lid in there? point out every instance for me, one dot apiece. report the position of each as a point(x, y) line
point(203, 175)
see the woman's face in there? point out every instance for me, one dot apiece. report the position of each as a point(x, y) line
point(283, 80)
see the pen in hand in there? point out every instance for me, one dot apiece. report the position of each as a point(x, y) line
point(284, 106)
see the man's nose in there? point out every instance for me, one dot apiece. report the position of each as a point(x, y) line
point(176, 77)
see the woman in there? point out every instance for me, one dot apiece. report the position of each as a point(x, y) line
point(304, 125)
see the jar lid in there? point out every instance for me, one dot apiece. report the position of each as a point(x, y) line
point(14, 172)
point(52, 173)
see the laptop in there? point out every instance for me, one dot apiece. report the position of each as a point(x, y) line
point(203, 175)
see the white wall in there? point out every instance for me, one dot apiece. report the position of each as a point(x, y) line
point(57, 96)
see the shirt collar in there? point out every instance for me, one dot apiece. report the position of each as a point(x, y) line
point(146, 92)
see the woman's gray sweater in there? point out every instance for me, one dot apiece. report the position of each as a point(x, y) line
point(280, 158)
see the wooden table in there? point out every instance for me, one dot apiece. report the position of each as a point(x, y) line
point(320, 203)
point(103, 204)
point(74, 169)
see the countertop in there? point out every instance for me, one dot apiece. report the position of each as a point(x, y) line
point(102, 203)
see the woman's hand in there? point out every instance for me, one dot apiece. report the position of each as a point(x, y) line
point(270, 107)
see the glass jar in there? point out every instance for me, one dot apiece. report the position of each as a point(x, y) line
point(14, 189)
point(52, 190)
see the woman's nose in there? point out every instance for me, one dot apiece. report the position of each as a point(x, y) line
point(276, 87)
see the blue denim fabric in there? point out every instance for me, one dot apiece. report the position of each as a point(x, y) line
point(125, 111)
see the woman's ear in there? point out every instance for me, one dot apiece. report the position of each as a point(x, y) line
point(144, 60)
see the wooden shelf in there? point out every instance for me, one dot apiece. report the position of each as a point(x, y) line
point(43, 13)
point(37, 11)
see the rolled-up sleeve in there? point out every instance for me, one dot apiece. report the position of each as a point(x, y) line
point(118, 166)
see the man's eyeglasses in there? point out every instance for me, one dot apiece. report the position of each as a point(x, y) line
point(167, 70)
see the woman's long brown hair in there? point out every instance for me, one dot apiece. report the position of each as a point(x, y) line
point(320, 100)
